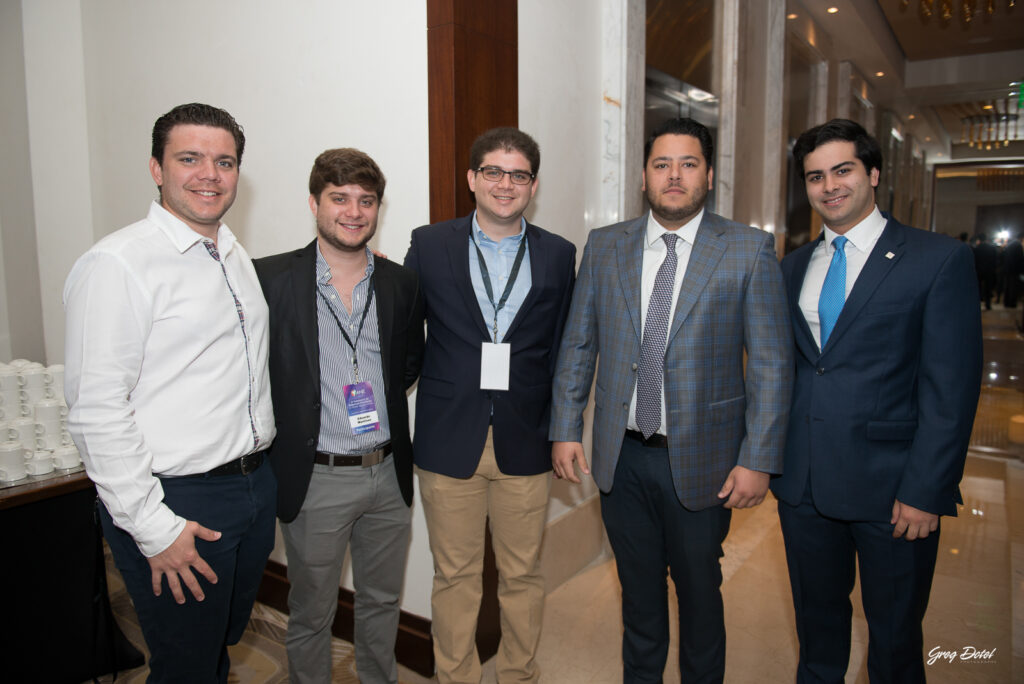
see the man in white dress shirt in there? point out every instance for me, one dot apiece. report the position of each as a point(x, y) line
point(169, 400)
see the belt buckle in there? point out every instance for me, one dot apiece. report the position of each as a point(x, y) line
point(248, 463)
point(371, 459)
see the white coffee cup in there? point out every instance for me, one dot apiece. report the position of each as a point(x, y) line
point(23, 430)
point(32, 377)
point(9, 380)
point(51, 441)
point(50, 409)
point(30, 396)
point(50, 427)
point(66, 457)
point(41, 463)
point(12, 461)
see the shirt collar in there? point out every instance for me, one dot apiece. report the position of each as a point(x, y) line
point(323, 271)
point(479, 236)
point(864, 235)
point(688, 231)
point(184, 238)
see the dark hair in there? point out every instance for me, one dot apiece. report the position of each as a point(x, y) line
point(683, 126)
point(506, 139)
point(343, 166)
point(867, 149)
point(196, 114)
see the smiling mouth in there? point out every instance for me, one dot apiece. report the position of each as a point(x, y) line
point(206, 193)
point(834, 201)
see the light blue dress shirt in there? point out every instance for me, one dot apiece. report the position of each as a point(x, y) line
point(499, 257)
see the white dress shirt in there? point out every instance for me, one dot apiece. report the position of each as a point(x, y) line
point(655, 251)
point(861, 240)
point(157, 374)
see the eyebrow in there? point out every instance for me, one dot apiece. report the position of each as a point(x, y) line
point(666, 157)
point(196, 153)
point(834, 168)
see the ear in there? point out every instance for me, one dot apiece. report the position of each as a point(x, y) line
point(711, 178)
point(313, 205)
point(156, 171)
point(875, 173)
point(643, 181)
point(533, 187)
point(471, 179)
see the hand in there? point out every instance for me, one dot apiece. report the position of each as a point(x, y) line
point(744, 487)
point(563, 454)
point(912, 522)
point(180, 561)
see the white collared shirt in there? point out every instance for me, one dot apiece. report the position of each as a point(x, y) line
point(655, 251)
point(861, 240)
point(159, 376)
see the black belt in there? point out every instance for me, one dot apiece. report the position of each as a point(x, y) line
point(364, 460)
point(243, 465)
point(655, 441)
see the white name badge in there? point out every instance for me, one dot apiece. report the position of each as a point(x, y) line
point(495, 361)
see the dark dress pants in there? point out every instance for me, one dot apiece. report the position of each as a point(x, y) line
point(652, 535)
point(188, 643)
point(895, 580)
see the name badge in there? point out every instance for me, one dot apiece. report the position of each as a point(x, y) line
point(495, 361)
point(362, 409)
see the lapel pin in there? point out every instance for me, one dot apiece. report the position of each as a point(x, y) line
point(889, 255)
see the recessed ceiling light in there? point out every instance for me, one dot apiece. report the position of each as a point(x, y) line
point(791, 15)
point(832, 10)
point(879, 74)
point(911, 117)
point(987, 107)
point(927, 138)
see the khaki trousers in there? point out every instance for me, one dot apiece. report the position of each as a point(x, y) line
point(456, 511)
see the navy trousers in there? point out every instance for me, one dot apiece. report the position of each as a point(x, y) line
point(188, 643)
point(895, 581)
point(652, 536)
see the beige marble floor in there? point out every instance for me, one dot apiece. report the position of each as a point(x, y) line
point(975, 601)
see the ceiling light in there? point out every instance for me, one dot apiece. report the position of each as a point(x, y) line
point(832, 10)
point(988, 106)
point(791, 16)
point(927, 138)
point(879, 74)
point(911, 117)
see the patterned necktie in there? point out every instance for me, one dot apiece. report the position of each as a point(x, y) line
point(652, 348)
point(833, 292)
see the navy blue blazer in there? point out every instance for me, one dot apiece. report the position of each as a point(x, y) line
point(885, 410)
point(288, 282)
point(452, 412)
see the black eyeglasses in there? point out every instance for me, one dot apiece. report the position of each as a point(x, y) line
point(494, 174)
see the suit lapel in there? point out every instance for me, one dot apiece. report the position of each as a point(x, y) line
point(708, 248)
point(538, 274)
point(886, 253)
point(384, 295)
point(630, 256)
point(303, 284)
point(458, 257)
point(802, 331)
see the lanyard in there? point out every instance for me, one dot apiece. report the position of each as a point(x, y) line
point(369, 300)
point(508, 287)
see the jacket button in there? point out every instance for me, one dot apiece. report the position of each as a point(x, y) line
point(820, 371)
point(316, 406)
point(310, 442)
point(625, 407)
point(634, 367)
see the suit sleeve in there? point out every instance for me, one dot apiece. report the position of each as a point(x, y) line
point(569, 263)
point(768, 339)
point(577, 355)
point(414, 345)
point(949, 382)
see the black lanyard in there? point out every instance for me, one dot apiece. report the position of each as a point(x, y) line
point(369, 300)
point(508, 287)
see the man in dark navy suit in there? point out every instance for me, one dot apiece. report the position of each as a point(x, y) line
point(497, 290)
point(888, 370)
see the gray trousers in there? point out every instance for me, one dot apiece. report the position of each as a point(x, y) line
point(362, 507)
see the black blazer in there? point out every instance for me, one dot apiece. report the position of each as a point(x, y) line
point(452, 412)
point(288, 282)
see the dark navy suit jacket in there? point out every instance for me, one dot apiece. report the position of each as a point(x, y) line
point(885, 410)
point(452, 412)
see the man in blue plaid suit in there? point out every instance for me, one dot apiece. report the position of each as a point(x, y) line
point(681, 434)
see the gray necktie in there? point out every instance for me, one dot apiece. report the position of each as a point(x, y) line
point(651, 373)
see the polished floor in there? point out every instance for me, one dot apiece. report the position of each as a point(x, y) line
point(977, 600)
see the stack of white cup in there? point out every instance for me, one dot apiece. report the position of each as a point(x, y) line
point(33, 421)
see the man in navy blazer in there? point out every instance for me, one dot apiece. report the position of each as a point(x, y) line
point(888, 370)
point(497, 292)
point(721, 370)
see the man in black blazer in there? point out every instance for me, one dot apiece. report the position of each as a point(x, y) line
point(497, 291)
point(888, 370)
point(346, 340)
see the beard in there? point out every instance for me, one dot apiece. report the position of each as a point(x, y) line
point(679, 214)
point(334, 238)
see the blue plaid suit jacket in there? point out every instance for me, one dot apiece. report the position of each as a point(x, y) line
point(732, 300)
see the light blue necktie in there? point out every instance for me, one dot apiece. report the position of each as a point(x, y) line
point(833, 292)
point(651, 371)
